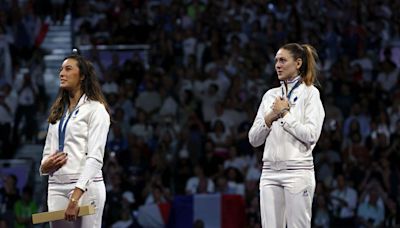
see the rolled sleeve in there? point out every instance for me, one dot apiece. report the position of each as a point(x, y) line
point(91, 169)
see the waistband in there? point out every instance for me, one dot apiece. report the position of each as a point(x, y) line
point(288, 165)
point(69, 179)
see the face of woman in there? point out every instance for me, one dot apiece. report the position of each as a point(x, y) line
point(285, 65)
point(70, 78)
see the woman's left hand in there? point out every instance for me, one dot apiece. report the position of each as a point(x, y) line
point(71, 213)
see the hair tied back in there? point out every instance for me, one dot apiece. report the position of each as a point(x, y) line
point(75, 51)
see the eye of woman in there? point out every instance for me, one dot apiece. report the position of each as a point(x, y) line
point(280, 60)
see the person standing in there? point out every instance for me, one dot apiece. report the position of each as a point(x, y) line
point(73, 154)
point(27, 110)
point(289, 121)
point(24, 208)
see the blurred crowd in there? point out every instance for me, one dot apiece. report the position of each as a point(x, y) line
point(180, 121)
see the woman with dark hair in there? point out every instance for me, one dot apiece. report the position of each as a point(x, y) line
point(289, 122)
point(73, 154)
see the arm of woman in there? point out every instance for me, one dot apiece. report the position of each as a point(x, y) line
point(99, 124)
point(262, 123)
point(308, 131)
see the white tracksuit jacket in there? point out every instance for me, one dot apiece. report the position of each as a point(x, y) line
point(292, 138)
point(85, 139)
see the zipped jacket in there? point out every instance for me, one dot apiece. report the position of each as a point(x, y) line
point(85, 139)
point(292, 138)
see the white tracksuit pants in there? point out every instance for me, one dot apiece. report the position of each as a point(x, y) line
point(286, 198)
point(58, 199)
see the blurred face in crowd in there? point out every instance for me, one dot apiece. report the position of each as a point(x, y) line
point(286, 66)
point(70, 77)
point(340, 182)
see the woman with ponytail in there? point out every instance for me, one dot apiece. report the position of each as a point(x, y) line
point(73, 154)
point(289, 122)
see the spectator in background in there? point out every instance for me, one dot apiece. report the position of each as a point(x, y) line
point(369, 212)
point(124, 221)
point(24, 208)
point(392, 217)
point(156, 195)
point(134, 164)
point(209, 159)
point(58, 11)
point(222, 186)
point(26, 110)
point(117, 141)
point(149, 100)
point(253, 212)
point(326, 160)
point(393, 151)
point(333, 113)
point(142, 127)
point(199, 182)
point(343, 199)
point(6, 121)
point(120, 119)
point(321, 215)
point(356, 114)
point(234, 160)
point(109, 84)
point(209, 99)
point(9, 195)
point(235, 180)
point(112, 209)
point(37, 69)
point(388, 76)
point(226, 118)
point(183, 171)
point(6, 47)
point(221, 138)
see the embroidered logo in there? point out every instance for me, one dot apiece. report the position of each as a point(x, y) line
point(305, 193)
point(93, 203)
point(293, 103)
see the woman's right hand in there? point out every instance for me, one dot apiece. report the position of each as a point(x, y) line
point(54, 162)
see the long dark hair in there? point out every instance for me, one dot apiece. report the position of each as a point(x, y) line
point(90, 86)
point(309, 57)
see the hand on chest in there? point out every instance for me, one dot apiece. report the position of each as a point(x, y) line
point(292, 94)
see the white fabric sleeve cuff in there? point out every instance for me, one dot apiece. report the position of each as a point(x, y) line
point(91, 169)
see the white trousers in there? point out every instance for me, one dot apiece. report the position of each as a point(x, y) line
point(58, 199)
point(286, 198)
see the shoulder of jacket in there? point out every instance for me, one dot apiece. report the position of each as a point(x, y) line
point(272, 91)
point(94, 104)
point(312, 89)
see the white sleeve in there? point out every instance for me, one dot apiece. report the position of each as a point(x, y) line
point(99, 124)
point(308, 131)
point(259, 130)
point(91, 169)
